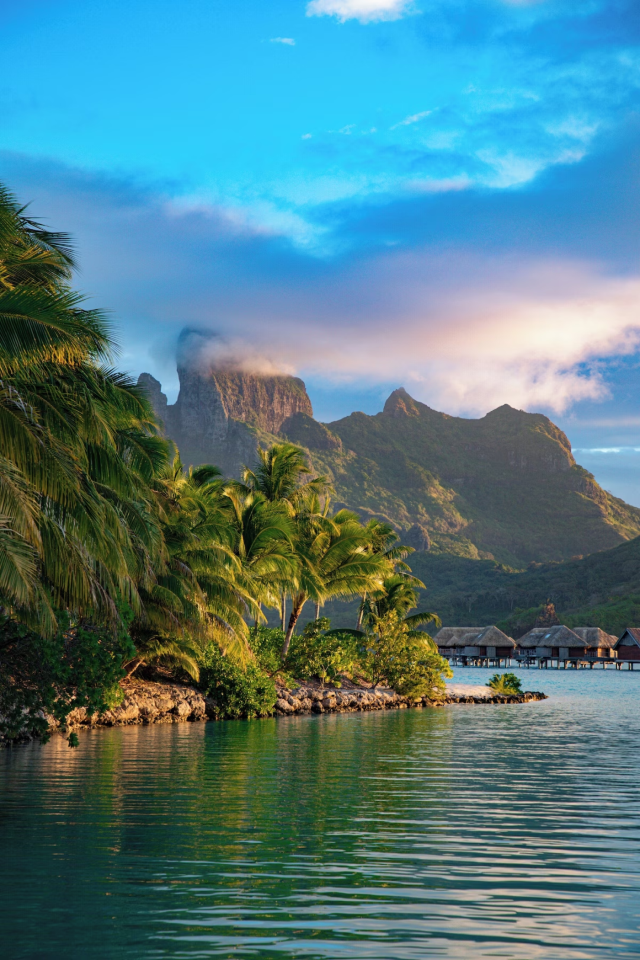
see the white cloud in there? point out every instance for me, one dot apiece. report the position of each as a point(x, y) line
point(464, 335)
point(414, 118)
point(288, 41)
point(366, 11)
point(307, 136)
point(444, 185)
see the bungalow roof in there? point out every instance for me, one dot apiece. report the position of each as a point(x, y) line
point(596, 637)
point(494, 637)
point(473, 637)
point(449, 636)
point(631, 636)
point(558, 636)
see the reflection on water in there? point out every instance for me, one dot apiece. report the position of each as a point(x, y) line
point(479, 831)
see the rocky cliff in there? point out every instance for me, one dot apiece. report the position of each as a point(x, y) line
point(220, 412)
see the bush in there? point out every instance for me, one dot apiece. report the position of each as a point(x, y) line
point(403, 658)
point(315, 653)
point(266, 643)
point(79, 667)
point(236, 691)
point(507, 683)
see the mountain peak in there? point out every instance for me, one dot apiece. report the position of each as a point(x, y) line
point(401, 404)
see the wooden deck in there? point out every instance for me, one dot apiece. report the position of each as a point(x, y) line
point(546, 663)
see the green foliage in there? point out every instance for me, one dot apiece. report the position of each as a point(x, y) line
point(237, 690)
point(315, 653)
point(504, 486)
point(407, 660)
point(266, 644)
point(79, 666)
point(599, 590)
point(507, 683)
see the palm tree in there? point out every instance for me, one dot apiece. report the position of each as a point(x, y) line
point(77, 441)
point(383, 540)
point(335, 560)
point(279, 477)
point(399, 594)
point(197, 594)
point(263, 533)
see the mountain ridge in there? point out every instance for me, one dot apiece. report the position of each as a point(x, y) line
point(503, 487)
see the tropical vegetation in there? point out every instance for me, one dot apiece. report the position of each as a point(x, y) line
point(114, 558)
point(508, 683)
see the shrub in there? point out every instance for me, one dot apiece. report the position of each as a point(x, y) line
point(507, 683)
point(315, 653)
point(79, 666)
point(405, 659)
point(236, 691)
point(266, 643)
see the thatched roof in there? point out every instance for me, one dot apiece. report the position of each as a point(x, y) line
point(558, 636)
point(596, 638)
point(452, 636)
point(473, 637)
point(493, 637)
point(630, 638)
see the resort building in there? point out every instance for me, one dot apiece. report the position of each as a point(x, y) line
point(628, 646)
point(558, 641)
point(601, 644)
point(485, 642)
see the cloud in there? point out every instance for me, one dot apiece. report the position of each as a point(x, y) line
point(288, 41)
point(366, 11)
point(468, 298)
point(414, 118)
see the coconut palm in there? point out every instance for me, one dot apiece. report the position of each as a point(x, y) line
point(283, 476)
point(263, 533)
point(77, 441)
point(197, 594)
point(334, 560)
point(399, 595)
point(384, 540)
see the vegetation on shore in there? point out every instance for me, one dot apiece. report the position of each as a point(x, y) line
point(113, 556)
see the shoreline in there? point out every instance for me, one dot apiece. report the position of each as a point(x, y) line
point(147, 702)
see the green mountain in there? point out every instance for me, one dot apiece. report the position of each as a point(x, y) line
point(497, 509)
point(504, 487)
point(601, 590)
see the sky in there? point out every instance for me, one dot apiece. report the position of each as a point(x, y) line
point(441, 194)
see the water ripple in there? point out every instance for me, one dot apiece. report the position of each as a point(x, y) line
point(510, 832)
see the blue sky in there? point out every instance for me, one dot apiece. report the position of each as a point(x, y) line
point(441, 194)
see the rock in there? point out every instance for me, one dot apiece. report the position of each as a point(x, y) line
point(317, 707)
point(283, 705)
point(182, 710)
point(417, 537)
point(219, 404)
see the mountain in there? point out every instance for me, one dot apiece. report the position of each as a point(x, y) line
point(222, 414)
point(501, 488)
point(505, 486)
point(601, 590)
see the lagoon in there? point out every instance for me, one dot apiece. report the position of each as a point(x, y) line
point(508, 831)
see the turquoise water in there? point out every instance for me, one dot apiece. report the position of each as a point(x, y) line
point(470, 831)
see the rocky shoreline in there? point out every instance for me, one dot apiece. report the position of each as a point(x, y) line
point(148, 702)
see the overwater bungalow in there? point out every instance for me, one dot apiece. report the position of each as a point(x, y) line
point(475, 642)
point(601, 644)
point(628, 646)
point(558, 641)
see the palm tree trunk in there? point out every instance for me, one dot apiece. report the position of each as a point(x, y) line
point(317, 616)
point(283, 611)
point(296, 610)
point(361, 611)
